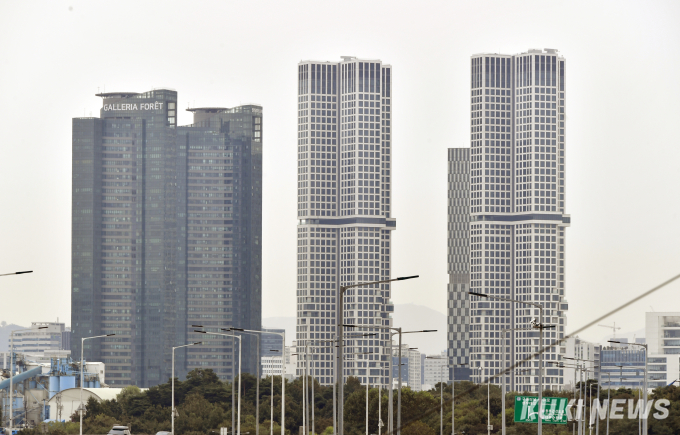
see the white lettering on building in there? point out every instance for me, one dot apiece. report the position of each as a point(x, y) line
point(158, 105)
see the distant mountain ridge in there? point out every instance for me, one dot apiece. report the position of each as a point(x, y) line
point(410, 317)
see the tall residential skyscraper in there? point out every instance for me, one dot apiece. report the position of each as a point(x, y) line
point(517, 211)
point(220, 229)
point(344, 209)
point(458, 260)
point(166, 233)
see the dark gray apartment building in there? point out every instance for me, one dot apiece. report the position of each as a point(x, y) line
point(166, 234)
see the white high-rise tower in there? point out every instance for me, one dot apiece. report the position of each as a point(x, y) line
point(517, 215)
point(344, 211)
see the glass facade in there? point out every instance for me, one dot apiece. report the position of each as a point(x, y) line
point(132, 188)
point(624, 367)
point(221, 154)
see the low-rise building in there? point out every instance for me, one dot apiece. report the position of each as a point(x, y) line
point(622, 366)
point(435, 369)
point(36, 341)
point(588, 356)
point(411, 372)
point(273, 364)
point(270, 342)
point(404, 369)
point(662, 332)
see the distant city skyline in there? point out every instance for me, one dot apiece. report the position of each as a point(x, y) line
point(613, 49)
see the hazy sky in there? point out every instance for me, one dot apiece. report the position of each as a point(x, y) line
point(623, 182)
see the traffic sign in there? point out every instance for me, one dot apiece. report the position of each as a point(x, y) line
point(554, 410)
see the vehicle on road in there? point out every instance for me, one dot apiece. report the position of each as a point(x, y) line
point(119, 430)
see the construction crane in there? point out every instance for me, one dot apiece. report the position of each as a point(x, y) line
point(613, 328)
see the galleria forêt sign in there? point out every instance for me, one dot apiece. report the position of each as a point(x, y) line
point(158, 105)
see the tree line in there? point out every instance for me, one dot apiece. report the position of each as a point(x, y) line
point(204, 405)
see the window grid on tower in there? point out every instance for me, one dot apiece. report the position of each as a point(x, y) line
point(345, 186)
point(516, 165)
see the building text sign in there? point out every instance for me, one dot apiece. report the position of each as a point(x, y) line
point(158, 105)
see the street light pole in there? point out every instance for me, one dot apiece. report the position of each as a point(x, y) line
point(380, 385)
point(82, 373)
point(305, 395)
point(390, 391)
point(441, 394)
point(400, 332)
point(441, 401)
point(590, 393)
point(11, 393)
point(233, 336)
point(399, 386)
point(341, 387)
point(367, 382)
point(17, 273)
point(577, 369)
point(11, 368)
point(582, 391)
point(583, 377)
point(579, 394)
point(639, 397)
point(309, 350)
point(283, 371)
point(310, 371)
point(540, 350)
point(173, 383)
point(334, 395)
point(335, 340)
point(453, 395)
point(312, 381)
point(271, 397)
point(599, 379)
point(609, 391)
point(488, 399)
point(585, 399)
point(257, 376)
point(581, 371)
point(644, 393)
point(503, 333)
